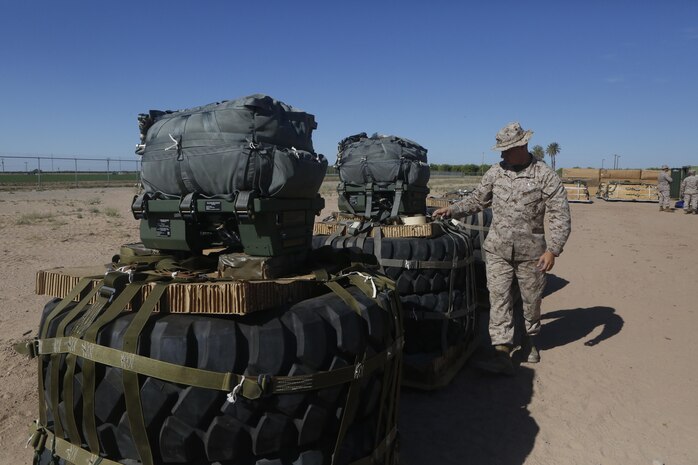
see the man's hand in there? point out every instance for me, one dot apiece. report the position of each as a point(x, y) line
point(546, 261)
point(443, 212)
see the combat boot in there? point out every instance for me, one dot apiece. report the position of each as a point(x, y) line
point(661, 209)
point(687, 212)
point(529, 351)
point(500, 363)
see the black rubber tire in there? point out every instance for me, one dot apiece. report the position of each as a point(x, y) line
point(423, 291)
point(420, 281)
point(478, 237)
point(199, 426)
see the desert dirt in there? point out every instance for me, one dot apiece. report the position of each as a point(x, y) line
point(617, 384)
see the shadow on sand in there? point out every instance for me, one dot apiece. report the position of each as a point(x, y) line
point(564, 326)
point(554, 283)
point(477, 419)
point(484, 420)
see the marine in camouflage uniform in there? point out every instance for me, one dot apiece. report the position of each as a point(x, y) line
point(689, 192)
point(663, 186)
point(520, 197)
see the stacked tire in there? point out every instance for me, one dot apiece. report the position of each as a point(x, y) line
point(193, 425)
point(438, 303)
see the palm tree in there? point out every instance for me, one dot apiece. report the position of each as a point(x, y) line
point(538, 152)
point(552, 150)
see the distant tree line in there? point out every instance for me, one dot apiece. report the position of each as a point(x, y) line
point(469, 169)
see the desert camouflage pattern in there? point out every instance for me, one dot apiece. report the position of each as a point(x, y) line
point(663, 186)
point(689, 193)
point(500, 274)
point(520, 202)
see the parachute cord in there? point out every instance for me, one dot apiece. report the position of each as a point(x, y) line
point(232, 396)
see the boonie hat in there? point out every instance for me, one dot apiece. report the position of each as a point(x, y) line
point(665, 167)
point(510, 136)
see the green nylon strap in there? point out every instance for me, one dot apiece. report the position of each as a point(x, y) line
point(71, 453)
point(88, 366)
point(56, 359)
point(71, 359)
point(74, 293)
point(345, 295)
point(350, 407)
point(378, 247)
point(132, 392)
point(250, 387)
point(427, 264)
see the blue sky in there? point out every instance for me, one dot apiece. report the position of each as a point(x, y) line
point(597, 77)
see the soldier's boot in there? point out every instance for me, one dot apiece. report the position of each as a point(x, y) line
point(661, 209)
point(500, 363)
point(687, 212)
point(529, 349)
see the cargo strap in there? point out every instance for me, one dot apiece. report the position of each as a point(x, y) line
point(397, 199)
point(41, 438)
point(369, 199)
point(251, 387)
point(427, 264)
point(479, 227)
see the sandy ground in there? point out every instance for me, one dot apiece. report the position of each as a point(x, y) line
point(617, 384)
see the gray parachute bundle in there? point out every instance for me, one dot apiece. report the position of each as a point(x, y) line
point(382, 177)
point(382, 159)
point(253, 143)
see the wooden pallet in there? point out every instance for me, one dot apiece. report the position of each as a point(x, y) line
point(391, 230)
point(214, 297)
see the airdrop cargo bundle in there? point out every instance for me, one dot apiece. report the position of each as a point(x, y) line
point(382, 177)
point(123, 375)
point(626, 191)
point(238, 173)
point(577, 191)
point(432, 262)
point(222, 338)
point(432, 266)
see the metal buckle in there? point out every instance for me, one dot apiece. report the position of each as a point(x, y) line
point(139, 206)
point(411, 264)
point(187, 207)
point(359, 370)
point(243, 199)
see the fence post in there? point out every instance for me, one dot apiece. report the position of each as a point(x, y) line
point(76, 172)
point(38, 172)
point(108, 171)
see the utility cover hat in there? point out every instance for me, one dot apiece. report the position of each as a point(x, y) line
point(665, 167)
point(510, 136)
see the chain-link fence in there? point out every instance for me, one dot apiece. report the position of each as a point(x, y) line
point(43, 171)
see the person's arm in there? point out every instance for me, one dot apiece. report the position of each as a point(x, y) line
point(683, 187)
point(474, 202)
point(559, 220)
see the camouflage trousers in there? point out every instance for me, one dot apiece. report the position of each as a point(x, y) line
point(500, 277)
point(690, 202)
point(664, 198)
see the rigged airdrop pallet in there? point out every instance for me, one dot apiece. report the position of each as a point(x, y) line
point(616, 191)
point(165, 373)
point(425, 366)
point(577, 191)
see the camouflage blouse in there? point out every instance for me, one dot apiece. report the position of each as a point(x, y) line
point(519, 202)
